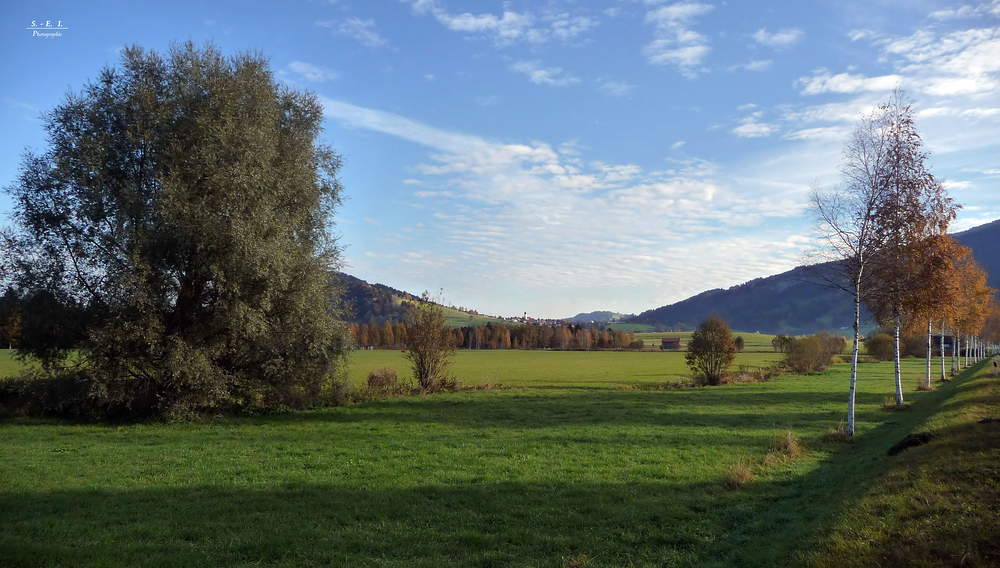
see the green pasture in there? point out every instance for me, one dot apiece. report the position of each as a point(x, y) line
point(456, 318)
point(8, 364)
point(564, 465)
point(633, 327)
point(760, 342)
point(552, 369)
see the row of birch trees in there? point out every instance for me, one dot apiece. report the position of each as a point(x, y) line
point(884, 229)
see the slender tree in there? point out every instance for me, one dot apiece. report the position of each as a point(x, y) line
point(847, 216)
point(914, 207)
point(429, 343)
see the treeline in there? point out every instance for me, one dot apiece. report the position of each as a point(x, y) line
point(492, 336)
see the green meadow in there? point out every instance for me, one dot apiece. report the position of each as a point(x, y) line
point(581, 460)
point(553, 369)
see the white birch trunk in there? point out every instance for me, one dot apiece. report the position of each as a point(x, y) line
point(930, 353)
point(895, 342)
point(854, 355)
point(942, 350)
point(956, 354)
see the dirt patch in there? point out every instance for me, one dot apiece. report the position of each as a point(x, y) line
point(911, 441)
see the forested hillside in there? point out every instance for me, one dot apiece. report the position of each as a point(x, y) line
point(797, 301)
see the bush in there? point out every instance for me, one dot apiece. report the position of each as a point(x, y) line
point(711, 351)
point(880, 346)
point(814, 353)
point(382, 382)
point(638, 345)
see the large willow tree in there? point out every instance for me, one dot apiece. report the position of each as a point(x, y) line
point(185, 205)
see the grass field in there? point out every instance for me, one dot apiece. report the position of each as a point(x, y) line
point(565, 465)
point(552, 369)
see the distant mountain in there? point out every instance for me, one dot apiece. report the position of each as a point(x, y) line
point(984, 241)
point(797, 301)
point(598, 317)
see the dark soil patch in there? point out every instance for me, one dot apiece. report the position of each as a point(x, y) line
point(910, 441)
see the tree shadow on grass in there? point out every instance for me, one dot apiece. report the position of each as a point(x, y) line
point(778, 519)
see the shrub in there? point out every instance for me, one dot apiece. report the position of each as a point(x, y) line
point(750, 374)
point(814, 353)
point(880, 346)
point(638, 345)
point(711, 350)
point(382, 382)
point(429, 344)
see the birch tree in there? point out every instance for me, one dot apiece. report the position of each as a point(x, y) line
point(914, 208)
point(846, 217)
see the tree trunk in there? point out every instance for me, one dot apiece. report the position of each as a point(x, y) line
point(854, 355)
point(930, 353)
point(895, 344)
point(942, 350)
point(956, 345)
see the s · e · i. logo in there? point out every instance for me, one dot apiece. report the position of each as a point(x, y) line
point(46, 28)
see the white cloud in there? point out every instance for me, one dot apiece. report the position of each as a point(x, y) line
point(361, 30)
point(857, 35)
point(510, 27)
point(751, 127)
point(518, 212)
point(312, 72)
point(758, 65)
point(553, 76)
point(675, 43)
point(836, 133)
point(967, 11)
point(779, 39)
point(825, 82)
point(677, 145)
point(616, 88)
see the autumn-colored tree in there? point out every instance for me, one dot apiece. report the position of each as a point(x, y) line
point(914, 207)
point(974, 299)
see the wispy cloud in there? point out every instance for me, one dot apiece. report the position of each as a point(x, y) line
point(616, 88)
point(361, 30)
point(675, 42)
point(495, 203)
point(312, 72)
point(779, 39)
point(553, 76)
point(509, 27)
point(825, 82)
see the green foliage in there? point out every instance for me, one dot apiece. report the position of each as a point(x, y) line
point(429, 343)
point(814, 353)
point(880, 346)
point(184, 206)
point(711, 350)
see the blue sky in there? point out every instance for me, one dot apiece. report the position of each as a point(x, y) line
point(565, 156)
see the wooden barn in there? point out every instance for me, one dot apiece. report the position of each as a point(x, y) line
point(670, 343)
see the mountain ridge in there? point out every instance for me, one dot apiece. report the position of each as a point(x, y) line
point(796, 301)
